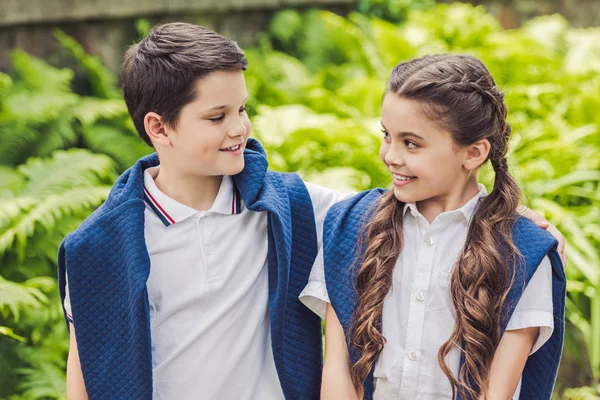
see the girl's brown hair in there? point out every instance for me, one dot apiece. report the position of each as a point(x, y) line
point(458, 92)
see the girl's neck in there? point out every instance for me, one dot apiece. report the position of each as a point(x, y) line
point(458, 197)
point(197, 192)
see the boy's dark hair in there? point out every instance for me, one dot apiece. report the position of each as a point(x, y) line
point(159, 73)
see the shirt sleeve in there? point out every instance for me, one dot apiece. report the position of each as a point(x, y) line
point(314, 296)
point(535, 306)
point(67, 301)
point(322, 199)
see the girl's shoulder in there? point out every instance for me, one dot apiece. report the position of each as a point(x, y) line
point(527, 235)
point(357, 207)
point(535, 243)
point(343, 226)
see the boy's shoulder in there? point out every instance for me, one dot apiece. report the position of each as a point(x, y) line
point(124, 203)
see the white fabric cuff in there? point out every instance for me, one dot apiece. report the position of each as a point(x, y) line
point(532, 318)
point(67, 302)
point(314, 296)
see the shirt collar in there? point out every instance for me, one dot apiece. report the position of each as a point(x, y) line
point(466, 210)
point(170, 211)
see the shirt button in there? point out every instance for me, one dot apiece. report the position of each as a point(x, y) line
point(429, 241)
point(412, 356)
point(420, 296)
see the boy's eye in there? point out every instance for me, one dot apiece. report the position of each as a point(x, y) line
point(410, 144)
point(218, 119)
point(386, 135)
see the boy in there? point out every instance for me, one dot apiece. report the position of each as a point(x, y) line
point(208, 301)
point(185, 282)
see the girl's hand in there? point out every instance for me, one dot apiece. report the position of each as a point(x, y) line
point(543, 223)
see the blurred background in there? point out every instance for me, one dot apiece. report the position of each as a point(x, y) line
point(317, 73)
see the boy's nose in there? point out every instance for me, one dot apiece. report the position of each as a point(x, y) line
point(238, 129)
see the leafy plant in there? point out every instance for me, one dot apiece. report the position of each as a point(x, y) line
point(315, 105)
point(549, 73)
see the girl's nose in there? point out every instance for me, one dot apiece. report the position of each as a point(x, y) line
point(393, 157)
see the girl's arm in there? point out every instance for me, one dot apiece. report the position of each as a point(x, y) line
point(509, 362)
point(75, 386)
point(337, 384)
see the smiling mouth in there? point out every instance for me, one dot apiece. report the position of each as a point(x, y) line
point(232, 148)
point(403, 177)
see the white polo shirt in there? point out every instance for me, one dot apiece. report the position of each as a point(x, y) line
point(208, 295)
point(418, 314)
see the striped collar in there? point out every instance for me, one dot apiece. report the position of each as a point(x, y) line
point(170, 211)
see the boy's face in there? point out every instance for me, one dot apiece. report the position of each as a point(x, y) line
point(211, 132)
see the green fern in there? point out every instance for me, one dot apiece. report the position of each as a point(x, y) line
point(10, 333)
point(39, 113)
point(68, 183)
point(103, 81)
point(124, 147)
point(18, 296)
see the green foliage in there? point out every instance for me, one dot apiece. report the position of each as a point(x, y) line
point(102, 81)
point(392, 10)
point(315, 83)
point(49, 182)
point(548, 70)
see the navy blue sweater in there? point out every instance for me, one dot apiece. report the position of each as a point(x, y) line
point(108, 265)
point(341, 232)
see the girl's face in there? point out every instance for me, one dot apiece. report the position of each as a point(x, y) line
point(425, 164)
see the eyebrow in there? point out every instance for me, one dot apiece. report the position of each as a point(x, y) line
point(404, 134)
point(216, 108)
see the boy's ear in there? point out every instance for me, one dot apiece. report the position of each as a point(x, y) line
point(476, 154)
point(156, 129)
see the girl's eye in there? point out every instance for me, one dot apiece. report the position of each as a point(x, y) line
point(386, 135)
point(218, 119)
point(410, 144)
point(243, 109)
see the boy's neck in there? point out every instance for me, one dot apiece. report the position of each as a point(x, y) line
point(454, 200)
point(197, 192)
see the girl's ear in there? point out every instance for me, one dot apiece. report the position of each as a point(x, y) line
point(476, 154)
point(156, 130)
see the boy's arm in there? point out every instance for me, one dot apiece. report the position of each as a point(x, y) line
point(337, 384)
point(75, 385)
point(509, 362)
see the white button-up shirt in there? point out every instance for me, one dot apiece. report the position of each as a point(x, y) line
point(208, 295)
point(418, 314)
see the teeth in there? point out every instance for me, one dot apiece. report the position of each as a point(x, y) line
point(233, 148)
point(402, 178)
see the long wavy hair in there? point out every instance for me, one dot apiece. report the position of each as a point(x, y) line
point(459, 93)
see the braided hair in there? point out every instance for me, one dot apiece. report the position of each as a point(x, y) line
point(458, 92)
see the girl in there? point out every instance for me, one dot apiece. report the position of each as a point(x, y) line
point(435, 289)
